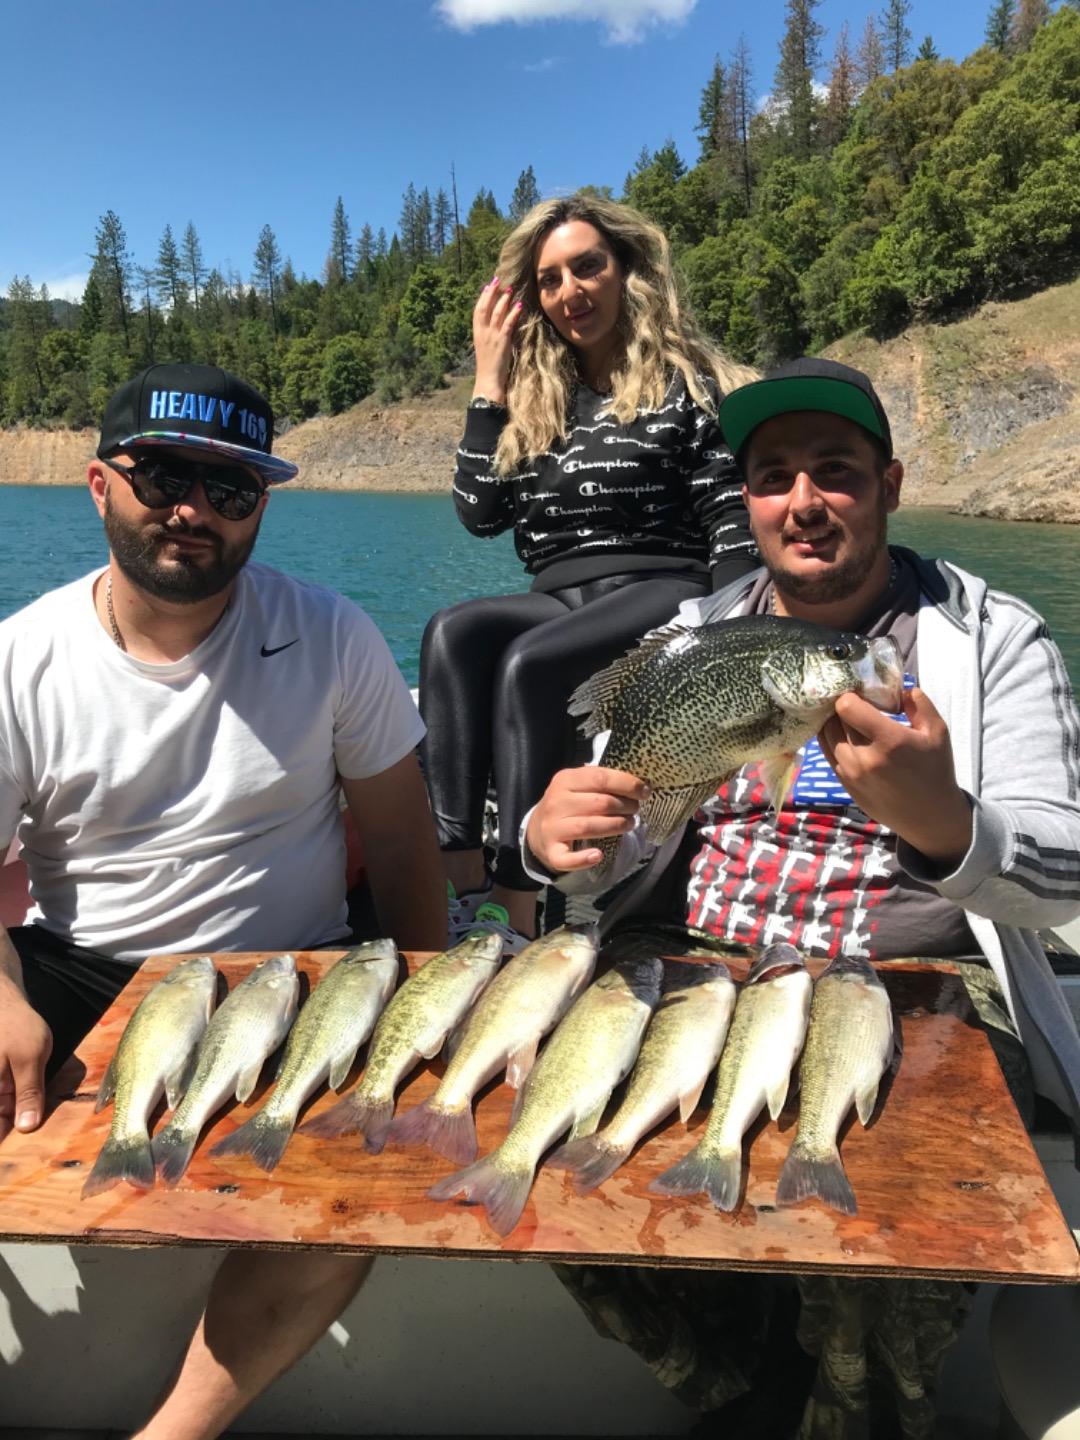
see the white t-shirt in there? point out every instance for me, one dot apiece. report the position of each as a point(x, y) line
point(195, 805)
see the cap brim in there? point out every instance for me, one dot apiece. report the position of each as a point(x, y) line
point(272, 468)
point(751, 405)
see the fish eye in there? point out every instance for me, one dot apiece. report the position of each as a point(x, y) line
point(840, 652)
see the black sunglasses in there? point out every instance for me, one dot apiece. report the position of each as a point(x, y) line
point(158, 484)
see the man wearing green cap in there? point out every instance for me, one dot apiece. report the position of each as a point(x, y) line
point(950, 830)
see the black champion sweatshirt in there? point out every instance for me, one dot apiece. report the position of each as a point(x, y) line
point(661, 493)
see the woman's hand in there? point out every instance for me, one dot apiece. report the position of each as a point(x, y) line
point(494, 319)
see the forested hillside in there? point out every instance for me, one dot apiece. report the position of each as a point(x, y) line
point(908, 188)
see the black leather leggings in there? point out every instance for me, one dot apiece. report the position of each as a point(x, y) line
point(495, 678)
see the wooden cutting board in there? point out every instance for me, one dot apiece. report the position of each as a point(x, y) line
point(947, 1181)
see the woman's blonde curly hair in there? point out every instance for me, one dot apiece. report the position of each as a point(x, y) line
point(658, 333)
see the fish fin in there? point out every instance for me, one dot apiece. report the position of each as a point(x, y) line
point(688, 1101)
point(590, 1123)
point(804, 1175)
point(172, 1150)
point(717, 1173)
point(340, 1119)
point(502, 1190)
point(667, 810)
point(107, 1088)
point(595, 697)
point(449, 1132)
point(340, 1066)
point(247, 1080)
point(125, 1158)
point(452, 1043)
point(778, 775)
point(589, 1161)
point(521, 1062)
point(865, 1100)
point(263, 1137)
point(180, 1079)
point(777, 1093)
point(519, 1100)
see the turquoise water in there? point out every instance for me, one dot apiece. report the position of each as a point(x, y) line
point(404, 556)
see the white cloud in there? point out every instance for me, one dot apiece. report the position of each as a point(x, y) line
point(626, 20)
point(539, 67)
point(67, 287)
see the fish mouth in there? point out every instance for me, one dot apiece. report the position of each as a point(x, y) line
point(881, 675)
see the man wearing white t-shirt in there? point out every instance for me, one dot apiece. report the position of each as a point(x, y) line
point(175, 732)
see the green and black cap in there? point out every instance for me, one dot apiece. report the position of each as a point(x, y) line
point(807, 384)
point(194, 407)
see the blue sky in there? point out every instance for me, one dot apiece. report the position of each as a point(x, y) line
point(255, 111)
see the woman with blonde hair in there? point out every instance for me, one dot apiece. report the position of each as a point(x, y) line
point(592, 432)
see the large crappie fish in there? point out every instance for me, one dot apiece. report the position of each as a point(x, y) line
point(338, 1017)
point(156, 1053)
point(763, 1044)
point(679, 1053)
point(526, 999)
point(248, 1026)
point(415, 1025)
point(848, 1048)
point(690, 706)
point(570, 1085)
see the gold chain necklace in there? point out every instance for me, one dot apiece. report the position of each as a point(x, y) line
point(117, 637)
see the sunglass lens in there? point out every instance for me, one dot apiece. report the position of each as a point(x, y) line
point(232, 502)
point(155, 488)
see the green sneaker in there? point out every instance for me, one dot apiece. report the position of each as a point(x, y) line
point(496, 918)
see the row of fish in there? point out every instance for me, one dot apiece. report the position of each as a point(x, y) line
point(669, 1024)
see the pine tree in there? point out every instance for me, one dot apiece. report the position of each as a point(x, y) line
point(365, 256)
point(340, 245)
point(740, 76)
point(793, 86)
point(526, 195)
point(407, 225)
point(870, 57)
point(1030, 17)
point(112, 268)
point(999, 24)
point(191, 257)
point(168, 277)
point(27, 321)
point(442, 220)
point(382, 249)
point(267, 271)
point(423, 224)
point(90, 311)
point(895, 35)
point(928, 51)
point(843, 90)
point(713, 112)
point(147, 279)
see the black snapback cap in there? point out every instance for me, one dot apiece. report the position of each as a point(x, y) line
point(200, 407)
point(807, 384)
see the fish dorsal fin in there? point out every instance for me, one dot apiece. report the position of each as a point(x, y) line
point(595, 698)
point(107, 1088)
point(666, 811)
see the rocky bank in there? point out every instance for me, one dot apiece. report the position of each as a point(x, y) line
point(985, 414)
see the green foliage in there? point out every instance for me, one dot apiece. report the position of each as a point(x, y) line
point(348, 373)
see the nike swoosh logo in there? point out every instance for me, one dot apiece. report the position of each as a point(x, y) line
point(264, 652)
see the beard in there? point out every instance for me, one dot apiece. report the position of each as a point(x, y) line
point(843, 579)
point(184, 580)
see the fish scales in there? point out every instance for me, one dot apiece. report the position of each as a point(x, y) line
point(153, 1056)
point(589, 1054)
point(247, 1028)
point(414, 1026)
point(680, 1050)
point(848, 1047)
point(763, 1043)
point(522, 1004)
point(336, 1020)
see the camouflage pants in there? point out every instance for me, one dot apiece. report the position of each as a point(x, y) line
point(817, 1357)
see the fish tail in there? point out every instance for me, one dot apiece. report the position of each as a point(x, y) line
point(589, 1161)
point(340, 1119)
point(501, 1188)
point(126, 1157)
point(263, 1137)
point(805, 1174)
point(450, 1132)
point(172, 1151)
point(717, 1173)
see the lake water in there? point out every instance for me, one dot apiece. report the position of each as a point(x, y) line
point(404, 556)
